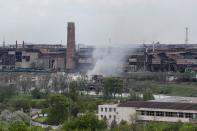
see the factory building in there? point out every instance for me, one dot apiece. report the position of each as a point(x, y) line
point(7, 59)
point(148, 57)
point(46, 57)
point(163, 58)
point(32, 59)
point(85, 60)
point(132, 111)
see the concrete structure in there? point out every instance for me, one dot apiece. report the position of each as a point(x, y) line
point(52, 59)
point(162, 58)
point(108, 112)
point(154, 57)
point(26, 58)
point(85, 60)
point(7, 59)
point(70, 53)
point(132, 111)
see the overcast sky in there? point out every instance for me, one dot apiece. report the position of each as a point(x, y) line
point(97, 21)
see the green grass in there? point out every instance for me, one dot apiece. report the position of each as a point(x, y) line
point(176, 89)
point(181, 89)
point(41, 119)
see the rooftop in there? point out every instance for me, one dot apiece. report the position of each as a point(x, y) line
point(159, 105)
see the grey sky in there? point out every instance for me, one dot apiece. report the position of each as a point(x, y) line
point(124, 21)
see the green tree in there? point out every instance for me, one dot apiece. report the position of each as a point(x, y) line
point(18, 126)
point(74, 109)
point(134, 95)
point(25, 84)
point(6, 91)
point(88, 121)
point(112, 86)
point(73, 90)
point(58, 108)
point(123, 126)
point(37, 94)
point(20, 102)
point(148, 95)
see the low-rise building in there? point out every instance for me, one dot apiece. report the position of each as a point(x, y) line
point(132, 111)
point(107, 112)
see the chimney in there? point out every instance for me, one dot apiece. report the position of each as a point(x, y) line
point(153, 46)
point(3, 42)
point(70, 52)
point(186, 35)
point(23, 44)
point(16, 44)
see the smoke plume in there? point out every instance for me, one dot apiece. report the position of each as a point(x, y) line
point(109, 61)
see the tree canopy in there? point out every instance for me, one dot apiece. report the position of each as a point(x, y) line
point(112, 86)
point(58, 108)
point(88, 121)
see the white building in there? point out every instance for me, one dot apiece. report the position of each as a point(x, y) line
point(107, 112)
point(148, 111)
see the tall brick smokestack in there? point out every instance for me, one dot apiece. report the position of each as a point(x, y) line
point(70, 53)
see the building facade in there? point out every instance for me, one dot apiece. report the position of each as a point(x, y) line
point(132, 111)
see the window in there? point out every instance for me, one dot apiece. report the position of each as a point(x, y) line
point(114, 109)
point(174, 114)
point(180, 114)
point(143, 113)
point(188, 115)
point(27, 58)
point(101, 108)
point(169, 114)
point(114, 117)
point(158, 113)
point(18, 56)
point(105, 109)
point(109, 116)
point(110, 109)
point(150, 113)
point(101, 116)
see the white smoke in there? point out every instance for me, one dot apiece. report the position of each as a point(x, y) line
point(109, 61)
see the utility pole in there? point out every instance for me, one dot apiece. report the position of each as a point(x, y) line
point(186, 35)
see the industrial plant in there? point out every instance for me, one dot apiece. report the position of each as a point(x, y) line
point(42, 57)
point(154, 57)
